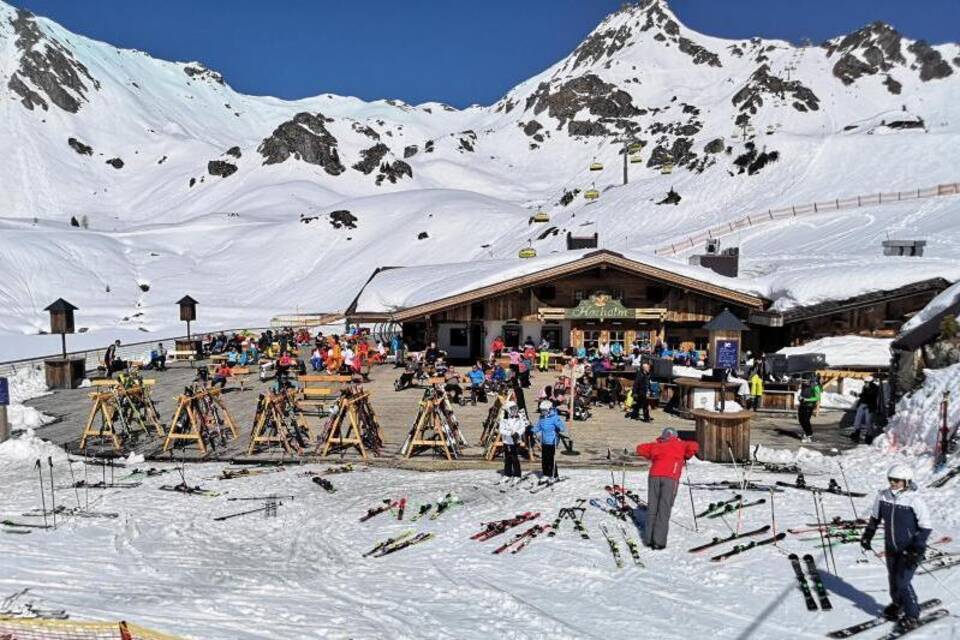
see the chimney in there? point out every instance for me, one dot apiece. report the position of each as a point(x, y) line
point(913, 248)
point(726, 262)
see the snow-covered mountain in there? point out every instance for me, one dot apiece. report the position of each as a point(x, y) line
point(258, 206)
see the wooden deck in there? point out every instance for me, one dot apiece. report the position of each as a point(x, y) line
point(606, 438)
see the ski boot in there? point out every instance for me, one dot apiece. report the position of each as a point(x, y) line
point(892, 611)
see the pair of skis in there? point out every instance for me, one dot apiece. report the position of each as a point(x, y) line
point(814, 575)
point(521, 540)
point(853, 630)
point(730, 508)
point(324, 484)
point(945, 478)
point(574, 514)
point(493, 529)
point(547, 483)
point(720, 504)
point(733, 536)
point(398, 543)
point(188, 490)
point(375, 511)
point(832, 487)
point(753, 544)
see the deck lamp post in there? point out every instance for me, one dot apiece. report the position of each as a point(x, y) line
point(63, 372)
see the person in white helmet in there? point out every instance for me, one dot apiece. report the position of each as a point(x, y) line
point(906, 528)
point(512, 427)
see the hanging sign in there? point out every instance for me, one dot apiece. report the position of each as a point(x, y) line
point(599, 307)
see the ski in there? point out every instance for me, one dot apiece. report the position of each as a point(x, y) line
point(733, 485)
point(537, 530)
point(838, 522)
point(422, 511)
point(493, 529)
point(375, 511)
point(923, 621)
point(821, 590)
point(943, 562)
point(827, 527)
point(616, 514)
point(549, 484)
point(403, 544)
point(24, 525)
point(614, 549)
point(70, 511)
point(740, 548)
point(945, 478)
point(802, 581)
point(534, 530)
point(325, 484)
point(389, 541)
point(633, 546)
point(833, 488)
point(80, 484)
point(730, 508)
point(345, 468)
point(713, 506)
point(853, 630)
point(619, 492)
point(193, 491)
point(449, 501)
point(733, 536)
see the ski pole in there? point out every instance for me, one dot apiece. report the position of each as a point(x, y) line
point(847, 486)
point(693, 507)
point(736, 467)
point(43, 500)
point(773, 514)
point(823, 510)
point(73, 481)
point(823, 540)
point(927, 572)
point(53, 492)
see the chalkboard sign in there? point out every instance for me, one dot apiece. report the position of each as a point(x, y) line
point(728, 354)
point(4, 392)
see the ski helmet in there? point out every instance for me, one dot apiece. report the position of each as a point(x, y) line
point(900, 471)
point(668, 433)
point(545, 405)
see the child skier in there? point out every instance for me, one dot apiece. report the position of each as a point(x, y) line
point(667, 455)
point(512, 427)
point(549, 426)
point(906, 527)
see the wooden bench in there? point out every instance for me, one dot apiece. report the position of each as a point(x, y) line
point(110, 382)
point(179, 356)
point(320, 390)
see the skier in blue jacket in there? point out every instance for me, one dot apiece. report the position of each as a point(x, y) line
point(906, 527)
point(549, 427)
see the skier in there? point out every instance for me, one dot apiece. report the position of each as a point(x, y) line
point(549, 426)
point(641, 389)
point(667, 455)
point(110, 360)
point(865, 407)
point(906, 527)
point(809, 398)
point(756, 390)
point(512, 427)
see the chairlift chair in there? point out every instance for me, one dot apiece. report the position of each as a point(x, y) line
point(527, 252)
point(666, 169)
point(596, 166)
point(591, 194)
point(541, 216)
point(635, 158)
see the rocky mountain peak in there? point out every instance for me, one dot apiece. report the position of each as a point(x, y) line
point(47, 69)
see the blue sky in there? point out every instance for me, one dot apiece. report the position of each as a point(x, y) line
point(452, 51)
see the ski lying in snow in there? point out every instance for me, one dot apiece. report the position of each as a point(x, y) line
point(828, 528)
point(151, 472)
point(325, 484)
point(575, 515)
point(618, 492)
point(740, 548)
point(633, 546)
point(24, 525)
point(403, 544)
point(232, 474)
point(802, 581)
point(548, 484)
point(939, 541)
point(733, 536)
point(520, 537)
point(730, 508)
point(615, 513)
point(945, 478)
point(493, 529)
point(853, 630)
point(614, 549)
point(821, 590)
point(422, 511)
point(344, 468)
point(375, 511)
point(449, 501)
point(81, 484)
point(833, 488)
point(943, 562)
point(713, 506)
point(69, 511)
point(838, 522)
point(193, 491)
point(733, 485)
point(389, 541)
point(923, 621)
point(537, 530)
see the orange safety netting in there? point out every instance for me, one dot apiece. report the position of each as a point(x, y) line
point(39, 629)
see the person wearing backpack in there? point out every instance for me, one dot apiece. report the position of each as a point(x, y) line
point(809, 399)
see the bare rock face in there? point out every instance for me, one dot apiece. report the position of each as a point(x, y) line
point(700, 54)
point(343, 218)
point(714, 146)
point(199, 72)
point(234, 151)
point(221, 168)
point(531, 128)
point(867, 51)
point(410, 150)
point(601, 44)
point(763, 83)
point(932, 64)
point(305, 138)
point(753, 161)
point(588, 92)
point(673, 198)
point(393, 171)
point(467, 141)
point(365, 130)
point(371, 158)
point(47, 67)
point(79, 147)
point(116, 163)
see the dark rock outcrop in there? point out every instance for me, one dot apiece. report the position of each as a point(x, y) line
point(393, 171)
point(672, 198)
point(762, 82)
point(371, 158)
point(714, 146)
point(79, 147)
point(234, 151)
point(892, 85)
point(600, 44)
point(46, 66)
point(700, 54)
point(116, 163)
point(531, 127)
point(423, 235)
point(221, 168)
point(586, 92)
point(753, 161)
point(305, 138)
point(568, 196)
point(932, 64)
point(410, 150)
point(343, 218)
point(199, 72)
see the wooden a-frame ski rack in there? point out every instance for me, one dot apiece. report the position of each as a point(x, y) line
point(353, 407)
point(431, 418)
point(105, 406)
point(187, 403)
point(271, 417)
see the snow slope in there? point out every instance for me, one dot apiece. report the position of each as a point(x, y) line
point(214, 184)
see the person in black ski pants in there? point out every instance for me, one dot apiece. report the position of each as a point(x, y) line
point(906, 528)
point(641, 389)
point(549, 428)
point(512, 427)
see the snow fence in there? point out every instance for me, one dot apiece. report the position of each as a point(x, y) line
point(40, 629)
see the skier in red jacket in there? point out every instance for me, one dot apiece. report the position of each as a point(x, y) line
point(667, 455)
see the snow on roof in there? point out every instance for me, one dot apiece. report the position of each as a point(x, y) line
point(947, 298)
point(847, 351)
point(402, 288)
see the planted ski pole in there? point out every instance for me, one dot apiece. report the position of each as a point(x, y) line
point(773, 514)
point(43, 499)
point(73, 481)
point(823, 510)
point(820, 527)
point(846, 485)
point(736, 467)
point(693, 507)
point(53, 492)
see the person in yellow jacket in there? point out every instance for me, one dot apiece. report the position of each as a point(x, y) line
point(756, 390)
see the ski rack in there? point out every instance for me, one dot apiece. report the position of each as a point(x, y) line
point(434, 415)
point(276, 421)
point(196, 418)
point(131, 406)
point(492, 422)
point(363, 428)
